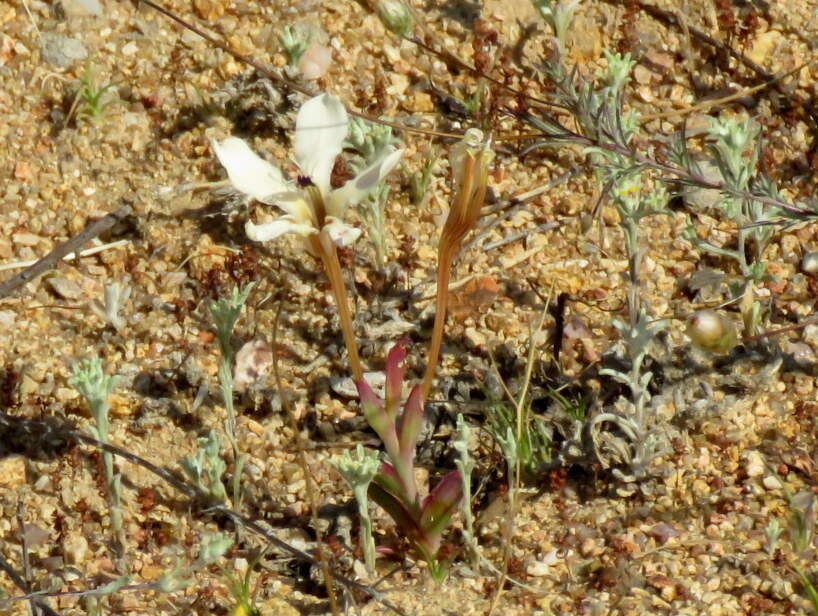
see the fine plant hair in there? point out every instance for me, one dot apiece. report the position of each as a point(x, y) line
point(225, 312)
point(734, 147)
point(369, 141)
point(96, 386)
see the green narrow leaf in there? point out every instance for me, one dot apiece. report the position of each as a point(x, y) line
point(409, 426)
point(395, 369)
point(379, 419)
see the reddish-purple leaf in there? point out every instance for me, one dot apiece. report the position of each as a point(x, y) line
point(409, 425)
point(395, 369)
point(389, 479)
point(439, 506)
point(401, 482)
point(378, 418)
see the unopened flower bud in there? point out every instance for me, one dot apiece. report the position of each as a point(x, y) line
point(397, 18)
point(712, 331)
point(469, 159)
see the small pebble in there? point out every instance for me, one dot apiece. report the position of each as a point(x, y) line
point(61, 51)
point(64, 288)
point(76, 549)
point(79, 8)
point(809, 264)
point(755, 464)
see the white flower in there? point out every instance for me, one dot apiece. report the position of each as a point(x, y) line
point(311, 205)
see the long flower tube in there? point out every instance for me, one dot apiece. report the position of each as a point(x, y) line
point(470, 161)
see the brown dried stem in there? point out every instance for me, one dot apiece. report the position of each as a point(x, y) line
point(323, 246)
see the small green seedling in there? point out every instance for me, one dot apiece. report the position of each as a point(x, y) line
point(96, 386)
point(206, 467)
point(359, 471)
point(92, 99)
point(226, 312)
point(295, 42)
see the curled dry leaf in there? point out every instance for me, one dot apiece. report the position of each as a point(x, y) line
point(477, 295)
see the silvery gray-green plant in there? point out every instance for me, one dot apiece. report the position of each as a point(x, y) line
point(95, 386)
point(420, 180)
point(748, 199)
point(225, 312)
point(213, 547)
point(643, 442)
point(734, 148)
point(465, 464)
point(773, 532)
point(603, 122)
point(359, 470)
point(370, 141)
point(206, 467)
point(295, 41)
point(115, 295)
point(558, 14)
point(178, 578)
point(624, 180)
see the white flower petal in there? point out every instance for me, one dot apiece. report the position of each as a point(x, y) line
point(271, 230)
point(295, 206)
point(320, 129)
point(249, 173)
point(356, 189)
point(340, 232)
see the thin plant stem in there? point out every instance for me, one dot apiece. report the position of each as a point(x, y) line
point(514, 482)
point(226, 384)
point(444, 265)
point(325, 248)
point(302, 460)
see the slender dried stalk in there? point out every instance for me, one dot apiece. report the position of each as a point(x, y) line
point(325, 248)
